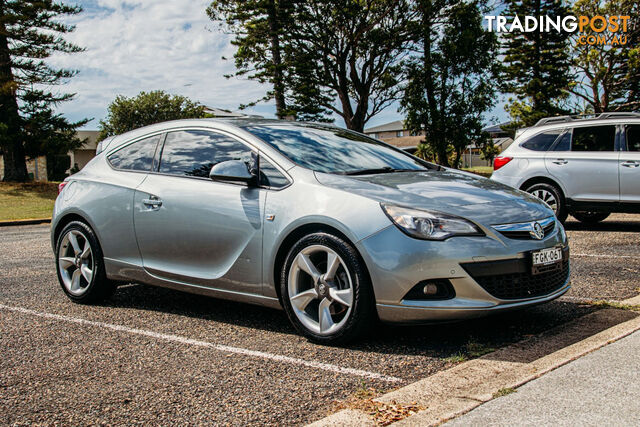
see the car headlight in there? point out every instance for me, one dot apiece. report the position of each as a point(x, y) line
point(430, 225)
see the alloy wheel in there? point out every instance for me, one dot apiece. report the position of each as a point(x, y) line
point(75, 262)
point(320, 289)
point(548, 197)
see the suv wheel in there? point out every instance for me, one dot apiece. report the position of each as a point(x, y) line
point(590, 217)
point(325, 289)
point(552, 196)
point(80, 266)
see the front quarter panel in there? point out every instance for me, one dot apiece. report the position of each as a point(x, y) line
point(308, 202)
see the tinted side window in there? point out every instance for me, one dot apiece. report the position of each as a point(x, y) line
point(195, 152)
point(633, 138)
point(542, 141)
point(137, 156)
point(594, 138)
point(270, 176)
point(564, 144)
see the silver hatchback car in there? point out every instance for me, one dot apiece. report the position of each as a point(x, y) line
point(335, 227)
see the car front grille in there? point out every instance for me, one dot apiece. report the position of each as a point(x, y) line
point(513, 279)
point(522, 231)
point(526, 235)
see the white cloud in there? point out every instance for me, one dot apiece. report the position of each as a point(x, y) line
point(140, 45)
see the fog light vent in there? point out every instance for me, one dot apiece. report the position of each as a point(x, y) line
point(435, 289)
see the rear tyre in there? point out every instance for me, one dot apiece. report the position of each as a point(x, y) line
point(552, 196)
point(590, 217)
point(326, 291)
point(80, 265)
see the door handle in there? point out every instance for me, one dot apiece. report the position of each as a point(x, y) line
point(152, 202)
point(560, 161)
point(631, 164)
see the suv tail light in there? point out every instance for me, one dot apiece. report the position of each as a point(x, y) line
point(61, 186)
point(499, 162)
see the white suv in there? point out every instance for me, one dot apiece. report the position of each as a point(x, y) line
point(586, 167)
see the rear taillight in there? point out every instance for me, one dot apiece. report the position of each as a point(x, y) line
point(61, 186)
point(499, 162)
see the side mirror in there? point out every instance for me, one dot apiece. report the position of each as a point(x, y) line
point(232, 171)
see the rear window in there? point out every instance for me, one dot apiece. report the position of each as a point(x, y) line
point(542, 141)
point(137, 156)
point(633, 138)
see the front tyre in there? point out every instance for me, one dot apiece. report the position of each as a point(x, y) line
point(325, 290)
point(80, 265)
point(552, 196)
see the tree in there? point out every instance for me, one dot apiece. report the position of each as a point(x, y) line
point(262, 30)
point(607, 77)
point(30, 32)
point(147, 108)
point(537, 65)
point(488, 150)
point(351, 51)
point(258, 26)
point(450, 79)
point(322, 57)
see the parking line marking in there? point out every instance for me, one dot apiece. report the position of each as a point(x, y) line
point(606, 256)
point(225, 348)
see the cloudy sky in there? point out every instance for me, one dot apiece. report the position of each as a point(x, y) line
point(143, 45)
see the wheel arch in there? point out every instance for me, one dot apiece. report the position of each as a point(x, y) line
point(64, 221)
point(298, 233)
point(543, 180)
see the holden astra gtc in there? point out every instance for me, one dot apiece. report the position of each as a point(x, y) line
point(337, 228)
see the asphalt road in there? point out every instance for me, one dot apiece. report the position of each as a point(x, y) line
point(161, 356)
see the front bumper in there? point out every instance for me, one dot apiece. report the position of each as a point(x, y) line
point(397, 262)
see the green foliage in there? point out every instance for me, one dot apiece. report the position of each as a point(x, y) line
point(30, 32)
point(57, 166)
point(450, 84)
point(488, 150)
point(351, 52)
point(536, 65)
point(147, 108)
point(340, 56)
point(607, 77)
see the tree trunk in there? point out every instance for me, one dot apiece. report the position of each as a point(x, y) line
point(15, 166)
point(434, 129)
point(276, 57)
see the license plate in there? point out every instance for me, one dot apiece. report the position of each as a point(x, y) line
point(546, 257)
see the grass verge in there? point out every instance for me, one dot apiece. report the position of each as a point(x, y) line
point(27, 200)
point(485, 171)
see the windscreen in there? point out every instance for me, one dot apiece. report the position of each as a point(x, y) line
point(332, 150)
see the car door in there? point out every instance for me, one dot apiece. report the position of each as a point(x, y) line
point(630, 166)
point(191, 229)
point(585, 163)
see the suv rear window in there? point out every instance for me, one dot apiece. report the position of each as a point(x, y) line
point(542, 141)
point(594, 138)
point(633, 138)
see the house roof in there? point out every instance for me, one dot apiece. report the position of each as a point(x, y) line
point(496, 128)
point(387, 127)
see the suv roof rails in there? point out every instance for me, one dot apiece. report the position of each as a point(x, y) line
point(601, 116)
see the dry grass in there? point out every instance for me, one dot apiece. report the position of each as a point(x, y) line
point(27, 200)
